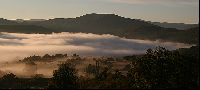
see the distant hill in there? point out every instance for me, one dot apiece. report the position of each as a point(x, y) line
point(110, 24)
point(24, 29)
point(6, 22)
point(179, 26)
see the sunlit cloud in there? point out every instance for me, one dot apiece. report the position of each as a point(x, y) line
point(15, 46)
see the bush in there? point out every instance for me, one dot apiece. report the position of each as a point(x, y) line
point(64, 78)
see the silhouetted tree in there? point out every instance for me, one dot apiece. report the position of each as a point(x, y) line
point(46, 57)
point(162, 69)
point(90, 69)
point(9, 77)
point(64, 78)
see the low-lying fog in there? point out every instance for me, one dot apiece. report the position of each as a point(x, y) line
point(15, 46)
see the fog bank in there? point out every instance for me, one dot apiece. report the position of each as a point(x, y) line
point(15, 46)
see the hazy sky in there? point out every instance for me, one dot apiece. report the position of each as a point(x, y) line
point(181, 11)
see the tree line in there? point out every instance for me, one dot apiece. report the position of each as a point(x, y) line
point(159, 68)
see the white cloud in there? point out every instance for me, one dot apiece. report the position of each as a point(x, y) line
point(23, 45)
point(16, 46)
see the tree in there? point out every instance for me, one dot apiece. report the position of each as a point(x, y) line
point(64, 78)
point(90, 69)
point(8, 80)
point(9, 77)
point(158, 66)
point(46, 57)
point(136, 78)
point(163, 69)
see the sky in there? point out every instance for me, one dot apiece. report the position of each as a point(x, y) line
point(173, 11)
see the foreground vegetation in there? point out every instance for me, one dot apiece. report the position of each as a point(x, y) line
point(159, 68)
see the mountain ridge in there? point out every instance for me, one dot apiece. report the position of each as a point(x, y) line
point(111, 24)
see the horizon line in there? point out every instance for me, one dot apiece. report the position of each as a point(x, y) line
point(27, 19)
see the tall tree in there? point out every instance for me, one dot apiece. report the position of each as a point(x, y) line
point(65, 77)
